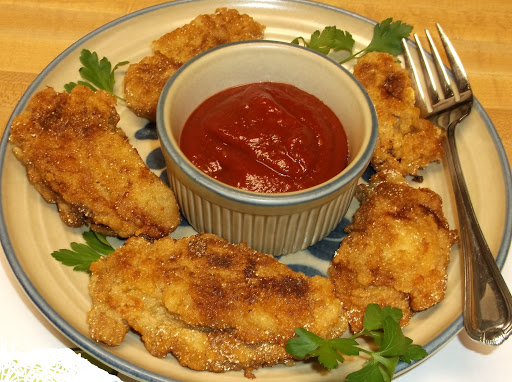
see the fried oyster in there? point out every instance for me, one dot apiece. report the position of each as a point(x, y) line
point(213, 305)
point(77, 157)
point(396, 252)
point(145, 80)
point(406, 142)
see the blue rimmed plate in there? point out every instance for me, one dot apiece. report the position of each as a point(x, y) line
point(30, 229)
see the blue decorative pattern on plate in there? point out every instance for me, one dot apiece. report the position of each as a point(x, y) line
point(30, 229)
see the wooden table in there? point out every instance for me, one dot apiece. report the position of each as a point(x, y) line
point(34, 32)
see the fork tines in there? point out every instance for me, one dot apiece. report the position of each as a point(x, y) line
point(448, 98)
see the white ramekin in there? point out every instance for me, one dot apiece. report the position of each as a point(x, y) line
point(270, 223)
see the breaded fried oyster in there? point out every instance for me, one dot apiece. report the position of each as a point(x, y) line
point(397, 250)
point(213, 305)
point(406, 142)
point(77, 157)
point(145, 80)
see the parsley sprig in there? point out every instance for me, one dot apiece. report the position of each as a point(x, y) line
point(80, 256)
point(330, 38)
point(386, 38)
point(98, 74)
point(382, 326)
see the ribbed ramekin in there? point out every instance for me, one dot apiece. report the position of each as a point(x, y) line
point(270, 223)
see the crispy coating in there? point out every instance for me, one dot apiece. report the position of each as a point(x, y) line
point(207, 31)
point(396, 252)
point(214, 305)
point(77, 157)
point(145, 80)
point(406, 142)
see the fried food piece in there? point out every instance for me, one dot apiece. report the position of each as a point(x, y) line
point(208, 31)
point(145, 80)
point(77, 157)
point(396, 252)
point(214, 305)
point(406, 142)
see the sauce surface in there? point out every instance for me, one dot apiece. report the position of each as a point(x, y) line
point(265, 137)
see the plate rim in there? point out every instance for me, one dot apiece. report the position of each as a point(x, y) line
point(119, 363)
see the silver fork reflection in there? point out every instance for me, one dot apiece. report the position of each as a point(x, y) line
point(487, 300)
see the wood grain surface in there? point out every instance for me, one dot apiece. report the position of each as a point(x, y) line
point(33, 33)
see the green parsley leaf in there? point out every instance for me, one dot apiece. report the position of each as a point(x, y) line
point(304, 343)
point(331, 38)
point(387, 37)
point(386, 365)
point(374, 316)
point(347, 346)
point(327, 356)
point(79, 261)
point(98, 74)
point(329, 352)
point(81, 256)
point(394, 343)
point(380, 324)
point(98, 242)
point(413, 353)
point(370, 372)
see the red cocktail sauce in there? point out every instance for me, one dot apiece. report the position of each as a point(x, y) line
point(265, 137)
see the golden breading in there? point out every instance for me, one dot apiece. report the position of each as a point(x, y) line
point(145, 80)
point(208, 31)
point(406, 142)
point(396, 251)
point(77, 157)
point(214, 305)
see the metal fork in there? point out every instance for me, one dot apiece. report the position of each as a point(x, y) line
point(487, 300)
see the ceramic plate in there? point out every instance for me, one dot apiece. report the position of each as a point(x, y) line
point(31, 229)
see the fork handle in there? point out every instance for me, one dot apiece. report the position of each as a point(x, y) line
point(487, 299)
